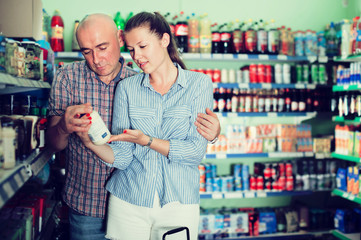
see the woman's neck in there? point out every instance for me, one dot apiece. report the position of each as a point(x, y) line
point(163, 79)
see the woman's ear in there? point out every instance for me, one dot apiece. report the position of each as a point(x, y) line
point(165, 40)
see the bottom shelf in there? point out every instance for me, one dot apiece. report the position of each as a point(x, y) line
point(346, 236)
point(285, 236)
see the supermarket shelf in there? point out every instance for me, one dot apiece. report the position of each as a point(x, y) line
point(354, 58)
point(259, 155)
point(10, 84)
point(266, 85)
point(216, 57)
point(345, 88)
point(342, 119)
point(346, 157)
point(252, 194)
point(344, 236)
point(276, 236)
point(267, 114)
point(346, 195)
point(13, 179)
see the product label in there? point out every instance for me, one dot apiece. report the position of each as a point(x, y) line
point(225, 37)
point(181, 30)
point(57, 32)
point(216, 37)
point(205, 41)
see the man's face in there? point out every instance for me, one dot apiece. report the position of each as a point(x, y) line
point(100, 46)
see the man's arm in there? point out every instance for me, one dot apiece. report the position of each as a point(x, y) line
point(208, 125)
point(60, 127)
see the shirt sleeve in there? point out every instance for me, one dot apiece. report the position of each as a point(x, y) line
point(60, 95)
point(191, 150)
point(123, 151)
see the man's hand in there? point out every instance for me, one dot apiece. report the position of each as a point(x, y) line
point(208, 125)
point(76, 119)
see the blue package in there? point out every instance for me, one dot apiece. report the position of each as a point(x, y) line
point(341, 179)
point(267, 222)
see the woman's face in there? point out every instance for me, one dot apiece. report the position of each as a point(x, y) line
point(147, 49)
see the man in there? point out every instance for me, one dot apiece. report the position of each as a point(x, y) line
point(77, 89)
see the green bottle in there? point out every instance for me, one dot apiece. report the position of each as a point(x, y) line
point(120, 23)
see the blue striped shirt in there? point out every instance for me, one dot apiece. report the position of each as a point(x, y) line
point(140, 171)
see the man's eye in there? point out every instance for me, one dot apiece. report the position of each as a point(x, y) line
point(86, 52)
point(103, 48)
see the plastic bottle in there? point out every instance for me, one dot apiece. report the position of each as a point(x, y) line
point(237, 40)
point(358, 37)
point(331, 45)
point(262, 38)
point(205, 35)
point(345, 38)
point(273, 38)
point(120, 23)
point(226, 35)
point(57, 33)
point(46, 29)
point(98, 132)
point(181, 33)
point(74, 44)
point(193, 34)
point(216, 39)
point(250, 38)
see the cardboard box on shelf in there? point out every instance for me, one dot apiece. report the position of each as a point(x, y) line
point(21, 18)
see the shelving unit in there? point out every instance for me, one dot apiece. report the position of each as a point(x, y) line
point(344, 236)
point(218, 57)
point(346, 157)
point(13, 179)
point(252, 194)
point(260, 155)
point(10, 84)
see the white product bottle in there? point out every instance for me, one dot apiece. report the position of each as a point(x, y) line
point(98, 132)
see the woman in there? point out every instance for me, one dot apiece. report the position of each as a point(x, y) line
point(156, 150)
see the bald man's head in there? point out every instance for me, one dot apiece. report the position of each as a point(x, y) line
point(94, 21)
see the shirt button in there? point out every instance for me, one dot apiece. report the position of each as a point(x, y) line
point(106, 110)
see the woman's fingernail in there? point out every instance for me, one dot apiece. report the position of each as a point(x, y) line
point(125, 131)
point(90, 122)
point(88, 114)
point(90, 118)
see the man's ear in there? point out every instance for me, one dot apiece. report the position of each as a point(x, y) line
point(121, 37)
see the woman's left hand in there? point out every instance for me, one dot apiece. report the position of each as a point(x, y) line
point(134, 136)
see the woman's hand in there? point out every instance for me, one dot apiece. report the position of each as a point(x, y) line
point(133, 136)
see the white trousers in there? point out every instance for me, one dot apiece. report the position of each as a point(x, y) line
point(131, 222)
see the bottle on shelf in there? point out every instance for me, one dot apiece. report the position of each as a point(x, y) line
point(345, 39)
point(262, 38)
point(74, 44)
point(181, 33)
point(205, 34)
point(237, 39)
point(273, 39)
point(250, 38)
point(216, 38)
point(57, 31)
point(353, 34)
point(331, 41)
point(193, 34)
point(226, 35)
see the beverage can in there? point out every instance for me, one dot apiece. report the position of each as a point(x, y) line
point(253, 73)
point(305, 73)
point(286, 74)
point(260, 183)
point(231, 76)
point(314, 73)
point(278, 73)
point(322, 74)
point(268, 73)
point(209, 72)
point(252, 183)
point(224, 76)
point(98, 132)
point(239, 76)
point(299, 73)
point(261, 73)
point(216, 75)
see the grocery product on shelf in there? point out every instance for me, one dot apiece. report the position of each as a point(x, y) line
point(181, 33)
point(57, 31)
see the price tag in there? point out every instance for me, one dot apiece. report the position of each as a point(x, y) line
point(323, 59)
point(351, 197)
point(243, 85)
point(309, 154)
point(192, 56)
point(261, 194)
point(232, 114)
point(221, 155)
point(206, 56)
point(277, 154)
point(263, 57)
point(217, 56)
point(300, 86)
point(249, 194)
point(228, 56)
point(311, 86)
point(272, 114)
point(242, 56)
point(217, 195)
point(312, 59)
point(344, 195)
point(282, 57)
point(8, 189)
point(233, 195)
point(266, 85)
point(345, 87)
